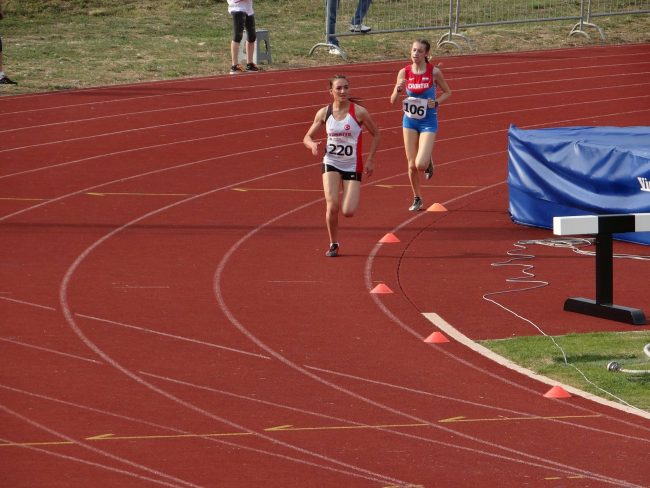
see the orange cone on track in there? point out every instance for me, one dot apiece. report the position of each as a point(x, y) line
point(437, 207)
point(389, 238)
point(436, 338)
point(557, 392)
point(381, 288)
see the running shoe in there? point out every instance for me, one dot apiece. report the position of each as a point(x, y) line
point(416, 205)
point(336, 51)
point(236, 68)
point(252, 67)
point(333, 251)
point(359, 28)
point(428, 173)
point(5, 80)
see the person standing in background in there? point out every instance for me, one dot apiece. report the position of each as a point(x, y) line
point(243, 17)
point(332, 6)
point(356, 23)
point(4, 79)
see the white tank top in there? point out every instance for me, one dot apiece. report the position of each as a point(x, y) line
point(343, 149)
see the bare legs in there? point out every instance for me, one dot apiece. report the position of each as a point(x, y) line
point(346, 204)
point(418, 148)
point(234, 52)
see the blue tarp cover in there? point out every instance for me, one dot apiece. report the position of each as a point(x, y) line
point(579, 171)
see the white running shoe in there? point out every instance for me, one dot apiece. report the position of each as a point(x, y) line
point(416, 205)
point(360, 28)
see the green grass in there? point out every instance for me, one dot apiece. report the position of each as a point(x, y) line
point(64, 44)
point(588, 355)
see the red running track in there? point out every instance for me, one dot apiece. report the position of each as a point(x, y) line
point(169, 317)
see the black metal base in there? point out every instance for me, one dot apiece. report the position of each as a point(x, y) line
point(612, 312)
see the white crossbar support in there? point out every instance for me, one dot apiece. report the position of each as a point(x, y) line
point(595, 224)
point(603, 226)
point(642, 222)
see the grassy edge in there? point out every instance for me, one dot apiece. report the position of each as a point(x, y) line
point(567, 358)
point(173, 39)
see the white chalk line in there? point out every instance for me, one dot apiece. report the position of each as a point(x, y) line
point(70, 319)
point(297, 108)
point(537, 461)
point(101, 452)
point(536, 61)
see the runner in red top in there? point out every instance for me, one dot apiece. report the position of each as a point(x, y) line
point(419, 81)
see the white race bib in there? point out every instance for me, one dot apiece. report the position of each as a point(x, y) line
point(415, 108)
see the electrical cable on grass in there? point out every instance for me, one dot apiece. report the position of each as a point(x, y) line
point(575, 245)
point(615, 366)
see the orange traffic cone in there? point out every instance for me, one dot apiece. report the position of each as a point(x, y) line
point(436, 338)
point(437, 207)
point(557, 392)
point(381, 288)
point(389, 238)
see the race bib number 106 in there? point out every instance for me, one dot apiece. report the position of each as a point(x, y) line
point(415, 108)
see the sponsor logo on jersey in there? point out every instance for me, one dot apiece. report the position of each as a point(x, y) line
point(417, 86)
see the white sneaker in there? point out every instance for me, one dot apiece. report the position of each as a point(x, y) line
point(416, 205)
point(359, 28)
point(336, 51)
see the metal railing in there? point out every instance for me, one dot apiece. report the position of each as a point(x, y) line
point(453, 16)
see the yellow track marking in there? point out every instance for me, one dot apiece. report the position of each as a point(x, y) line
point(288, 428)
point(137, 194)
point(501, 419)
point(342, 427)
point(555, 478)
point(428, 186)
point(277, 189)
point(18, 199)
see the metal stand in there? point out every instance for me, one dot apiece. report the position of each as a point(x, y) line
point(579, 27)
point(602, 307)
point(262, 47)
point(448, 38)
point(330, 8)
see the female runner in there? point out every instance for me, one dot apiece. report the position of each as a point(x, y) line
point(343, 163)
point(418, 82)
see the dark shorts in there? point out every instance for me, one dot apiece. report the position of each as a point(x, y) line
point(345, 175)
point(240, 21)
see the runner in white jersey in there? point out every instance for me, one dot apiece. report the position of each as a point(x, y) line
point(343, 164)
point(343, 149)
